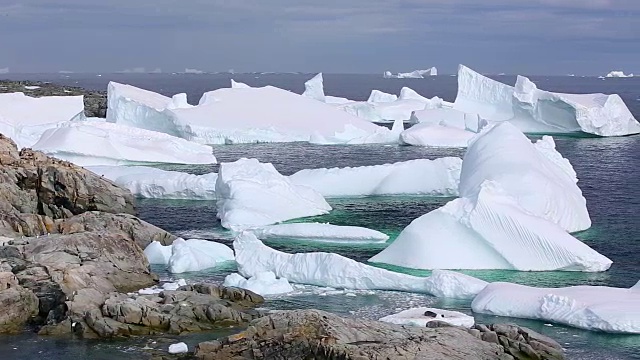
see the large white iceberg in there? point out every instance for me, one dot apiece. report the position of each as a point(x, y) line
point(264, 283)
point(24, 118)
point(538, 111)
point(320, 232)
point(333, 270)
point(436, 136)
point(188, 255)
point(423, 315)
point(618, 74)
point(600, 308)
point(416, 74)
point(96, 142)
point(437, 177)
point(252, 194)
point(149, 182)
point(518, 200)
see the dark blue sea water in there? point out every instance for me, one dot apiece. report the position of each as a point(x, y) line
point(607, 170)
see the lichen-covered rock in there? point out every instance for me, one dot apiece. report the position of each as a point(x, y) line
point(314, 334)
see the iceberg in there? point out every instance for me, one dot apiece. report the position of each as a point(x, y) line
point(436, 136)
point(24, 118)
point(439, 177)
point(157, 253)
point(197, 255)
point(314, 88)
point(149, 182)
point(518, 200)
point(598, 308)
point(416, 74)
point(333, 270)
point(320, 232)
point(378, 96)
point(168, 286)
point(446, 115)
point(423, 315)
point(538, 111)
point(179, 348)
point(96, 142)
point(252, 194)
point(239, 85)
point(618, 74)
point(264, 283)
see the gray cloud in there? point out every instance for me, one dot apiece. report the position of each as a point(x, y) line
point(528, 36)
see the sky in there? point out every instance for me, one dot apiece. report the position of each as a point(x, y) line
point(532, 37)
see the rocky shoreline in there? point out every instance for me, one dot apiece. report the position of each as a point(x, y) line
point(95, 102)
point(72, 262)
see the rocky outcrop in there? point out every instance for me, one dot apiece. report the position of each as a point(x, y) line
point(314, 334)
point(17, 303)
point(519, 342)
point(95, 102)
point(192, 308)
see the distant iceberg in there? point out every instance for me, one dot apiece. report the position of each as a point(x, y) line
point(24, 118)
point(597, 308)
point(439, 177)
point(252, 194)
point(149, 182)
point(416, 74)
point(4, 70)
point(618, 74)
point(96, 142)
point(518, 200)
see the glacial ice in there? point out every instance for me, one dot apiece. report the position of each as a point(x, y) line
point(264, 283)
point(538, 111)
point(96, 142)
point(320, 232)
point(333, 270)
point(436, 135)
point(239, 85)
point(149, 182)
point(597, 308)
point(378, 96)
point(24, 118)
point(417, 317)
point(439, 177)
point(253, 194)
point(416, 74)
point(197, 255)
point(314, 88)
point(157, 253)
point(178, 348)
point(618, 74)
point(518, 200)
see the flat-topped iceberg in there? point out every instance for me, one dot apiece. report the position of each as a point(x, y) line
point(252, 194)
point(264, 283)
point(618, 74)
point(149, 182)
point(538, 111)
point(437, 177)
point(24, 118)
point(423, 315)
point(320, 232)
point(96, 142)
point(333, 270)
point(188, 255)
point(518, 200)
point(597, 308)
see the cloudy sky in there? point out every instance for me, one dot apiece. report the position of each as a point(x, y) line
point(346, 36)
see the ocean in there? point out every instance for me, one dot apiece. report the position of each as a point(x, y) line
point(606, 168)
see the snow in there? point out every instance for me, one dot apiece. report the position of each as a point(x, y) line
point(416, 74)
point(378, 96)
point(518, 200)
point(597, 308)
point(417, 317)
point(538, 111)
point(149, 182)
point(264, 283)
point(436, 136)
point(618, 74)
point(197, 255)
point(24, 119)
point(320, 232)
point(96, 142)
point(253, 194)
point(437, 177)
point(336, 271)
point(178, 348)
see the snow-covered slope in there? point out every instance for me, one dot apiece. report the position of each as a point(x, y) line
point(327, 269)
point(148, 182)
point(437, 177)
point(320, 232)
point(598, 308)
point(96, 142)
point(517, 202)
point(24, 119)
point(253, 194)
